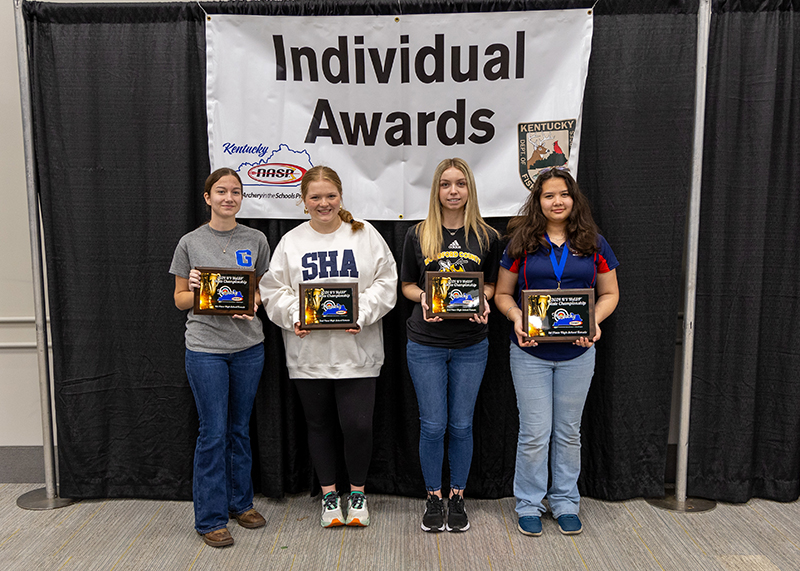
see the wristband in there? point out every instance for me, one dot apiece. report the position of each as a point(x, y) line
point(509, 311)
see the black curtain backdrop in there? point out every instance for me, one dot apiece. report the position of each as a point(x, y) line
point(121, 154)
point(745, 430)
point(120, 144)
point(636, 148)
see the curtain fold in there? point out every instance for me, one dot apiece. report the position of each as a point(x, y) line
point(745, 432)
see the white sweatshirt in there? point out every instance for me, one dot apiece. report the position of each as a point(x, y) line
point(304, 254)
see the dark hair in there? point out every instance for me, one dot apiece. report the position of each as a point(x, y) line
point(323, 173)
point(213, 178)
point(526, 230)
point(218, 174)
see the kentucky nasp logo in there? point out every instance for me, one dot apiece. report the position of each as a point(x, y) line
point(282, 167)
point(226, 293)
point(564, 318)
point(330, 307)
point(543, 144)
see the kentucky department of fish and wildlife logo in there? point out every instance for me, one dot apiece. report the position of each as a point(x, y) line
point(542, 145)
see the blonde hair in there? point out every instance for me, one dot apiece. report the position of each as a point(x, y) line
point(429, 230)
point(327, 174)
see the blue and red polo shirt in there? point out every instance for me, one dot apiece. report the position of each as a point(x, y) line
point(535, 271)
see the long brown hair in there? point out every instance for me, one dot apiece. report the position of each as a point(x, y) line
point(526, 230)
point(430, 229)
point(327, 174)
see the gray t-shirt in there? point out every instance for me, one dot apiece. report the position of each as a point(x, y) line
point(243, 248)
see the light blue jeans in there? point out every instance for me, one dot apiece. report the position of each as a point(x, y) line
point(446, 382)
point(224, 387)
point(550, 398)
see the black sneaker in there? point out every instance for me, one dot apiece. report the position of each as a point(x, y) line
point(456, 514)
point(433, 520)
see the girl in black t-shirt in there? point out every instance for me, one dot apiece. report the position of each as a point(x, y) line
point(446, 358)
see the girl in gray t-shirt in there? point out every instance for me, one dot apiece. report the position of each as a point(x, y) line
point(224, 360)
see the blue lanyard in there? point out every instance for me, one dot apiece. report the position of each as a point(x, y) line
point(558, 267)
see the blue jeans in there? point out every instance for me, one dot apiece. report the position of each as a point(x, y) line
point(550, 398)
point(224, 387)
point(446, 382)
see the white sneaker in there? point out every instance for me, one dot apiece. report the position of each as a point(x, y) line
point(331, 510)
point(357, 512)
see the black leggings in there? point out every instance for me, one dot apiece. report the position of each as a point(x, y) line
point(329, 403)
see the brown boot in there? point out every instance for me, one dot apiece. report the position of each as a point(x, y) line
point(250, 519)
point(218, 537)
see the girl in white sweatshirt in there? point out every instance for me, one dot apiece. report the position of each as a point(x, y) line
point(333, 365)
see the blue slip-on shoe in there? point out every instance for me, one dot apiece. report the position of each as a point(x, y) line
point(530, 525)
point(570, 524)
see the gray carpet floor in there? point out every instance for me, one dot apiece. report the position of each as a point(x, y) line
point(116, 535)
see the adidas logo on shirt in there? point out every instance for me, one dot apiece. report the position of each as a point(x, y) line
point(454, 245)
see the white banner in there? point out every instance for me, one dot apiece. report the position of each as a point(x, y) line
point(383, 99)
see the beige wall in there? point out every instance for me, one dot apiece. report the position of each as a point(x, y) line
point(20, 420)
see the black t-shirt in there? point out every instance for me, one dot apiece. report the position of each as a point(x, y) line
point(457, 254)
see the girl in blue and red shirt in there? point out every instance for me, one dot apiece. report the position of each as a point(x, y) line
point(552, 379)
